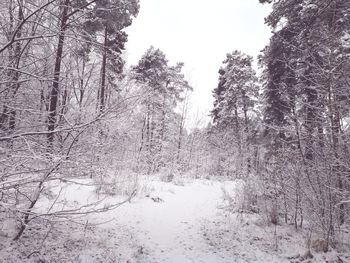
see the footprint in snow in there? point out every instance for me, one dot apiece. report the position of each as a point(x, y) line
point(157, 199)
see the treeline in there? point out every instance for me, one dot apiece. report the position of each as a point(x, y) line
point(289, 132)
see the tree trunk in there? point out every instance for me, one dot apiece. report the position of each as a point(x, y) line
point(179, 144)
point(56, 79)
point(246, 131)
point(14, 82)
point(163, 125)
point(9, 110)
point(103, 73)
point(310, 123)
point(335, 128)
point(182, 124)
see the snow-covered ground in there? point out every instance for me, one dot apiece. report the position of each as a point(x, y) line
point(168, 224)
point(176, 222)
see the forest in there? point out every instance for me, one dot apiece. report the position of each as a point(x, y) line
point(86, 138)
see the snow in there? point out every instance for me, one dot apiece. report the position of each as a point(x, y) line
point(172, 222)
point(170, 229)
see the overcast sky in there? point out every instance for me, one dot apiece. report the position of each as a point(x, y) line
point(199, 33)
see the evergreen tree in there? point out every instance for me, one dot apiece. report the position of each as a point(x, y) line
point(235, 98)
point(110, 17)
point(304, 101)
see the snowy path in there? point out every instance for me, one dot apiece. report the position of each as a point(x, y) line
point(170, 231)
point(185, 226)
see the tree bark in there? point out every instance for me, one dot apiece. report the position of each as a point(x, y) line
point(56, 79)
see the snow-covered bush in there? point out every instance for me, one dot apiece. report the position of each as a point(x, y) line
point(123, 182)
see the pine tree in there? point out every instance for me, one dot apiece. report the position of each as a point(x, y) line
point(304, 87)
point(235, 98)
point(110, 17)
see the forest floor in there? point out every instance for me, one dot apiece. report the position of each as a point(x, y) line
point(171, 222)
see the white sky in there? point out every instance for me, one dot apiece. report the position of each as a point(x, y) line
point(198, 33)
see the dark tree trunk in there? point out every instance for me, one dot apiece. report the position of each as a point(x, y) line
point(56, 79)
